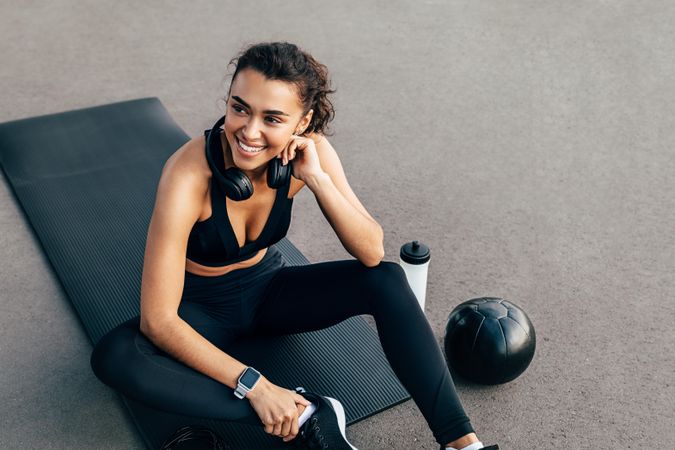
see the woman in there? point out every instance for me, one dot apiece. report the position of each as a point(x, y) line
point(210, 275)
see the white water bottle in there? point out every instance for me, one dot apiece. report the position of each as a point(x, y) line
point(414, 259)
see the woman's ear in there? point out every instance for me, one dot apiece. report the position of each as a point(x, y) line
point(304, 123)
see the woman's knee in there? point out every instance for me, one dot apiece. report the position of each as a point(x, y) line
point(388, 281)
point(391, 296)
point(384, 275)
point(113, 353)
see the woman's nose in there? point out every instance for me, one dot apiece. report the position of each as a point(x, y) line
point(251, 130)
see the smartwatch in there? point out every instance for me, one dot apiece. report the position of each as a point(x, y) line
point(246, 382)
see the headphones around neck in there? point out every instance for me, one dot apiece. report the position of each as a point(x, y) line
point(233, 181)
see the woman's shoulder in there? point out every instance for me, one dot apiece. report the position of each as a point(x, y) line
point(183, 172)
point(189, 162)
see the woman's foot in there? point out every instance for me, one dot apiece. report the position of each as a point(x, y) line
point(326, 427)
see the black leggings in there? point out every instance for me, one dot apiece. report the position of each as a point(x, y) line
point(271, 298)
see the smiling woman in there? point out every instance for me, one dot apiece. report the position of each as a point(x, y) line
point(212, 275)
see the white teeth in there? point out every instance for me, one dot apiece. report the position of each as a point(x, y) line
point(248, 149)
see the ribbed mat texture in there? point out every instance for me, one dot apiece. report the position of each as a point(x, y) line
point(86, 180)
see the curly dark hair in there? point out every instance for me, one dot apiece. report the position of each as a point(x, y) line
point(286, 62)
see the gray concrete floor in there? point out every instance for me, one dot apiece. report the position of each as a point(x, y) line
point(529, 144)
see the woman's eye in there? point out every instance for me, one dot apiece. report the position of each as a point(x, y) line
point(240, 109)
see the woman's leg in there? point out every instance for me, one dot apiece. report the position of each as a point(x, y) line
point(315, 296)
point(127, 361)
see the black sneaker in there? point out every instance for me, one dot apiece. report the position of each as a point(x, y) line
point(325, 429)
point(491, 447)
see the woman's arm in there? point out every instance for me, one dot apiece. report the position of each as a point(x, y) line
point(358, 232)
point(177, 206)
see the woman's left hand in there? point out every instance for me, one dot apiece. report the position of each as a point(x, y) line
point(301, 154)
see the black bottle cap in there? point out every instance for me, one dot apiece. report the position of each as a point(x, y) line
point(415, 253)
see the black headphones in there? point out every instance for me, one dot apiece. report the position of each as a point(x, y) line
point(233, 181)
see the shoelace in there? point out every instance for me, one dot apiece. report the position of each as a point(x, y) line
point(312, 437)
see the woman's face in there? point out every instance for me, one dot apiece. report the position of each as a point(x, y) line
point(262, 115)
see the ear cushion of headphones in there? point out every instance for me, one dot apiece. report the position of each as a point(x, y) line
point(277, 173)
point(236, 184)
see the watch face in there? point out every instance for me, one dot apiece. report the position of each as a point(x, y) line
point(249, 378)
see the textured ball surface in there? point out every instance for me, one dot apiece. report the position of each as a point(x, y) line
point(489, 340)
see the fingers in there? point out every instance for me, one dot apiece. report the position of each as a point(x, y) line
point(286, 426)
point(278, 426)
point(291, 152)
point(294, 429)
point(301, 400)
point(295, 424)
point(288, 153)
point(279, 412)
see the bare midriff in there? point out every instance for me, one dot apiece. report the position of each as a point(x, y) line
point(208, 271)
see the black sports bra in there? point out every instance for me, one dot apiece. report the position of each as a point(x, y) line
point(212, 242)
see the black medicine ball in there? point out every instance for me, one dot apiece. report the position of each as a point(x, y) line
point(489, 340)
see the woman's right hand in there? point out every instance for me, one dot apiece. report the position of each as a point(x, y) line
point(277, 408)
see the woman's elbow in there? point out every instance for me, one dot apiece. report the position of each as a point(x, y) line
point(153, 328)
point(375, 260)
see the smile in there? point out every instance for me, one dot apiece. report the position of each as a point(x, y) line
point(248, 149)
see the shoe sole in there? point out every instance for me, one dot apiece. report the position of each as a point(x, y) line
point(342, 423)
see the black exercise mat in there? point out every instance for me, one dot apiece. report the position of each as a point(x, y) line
point(86, 180)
